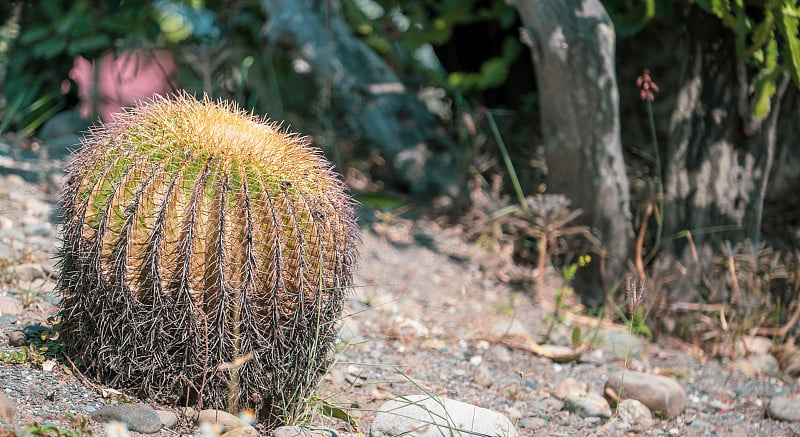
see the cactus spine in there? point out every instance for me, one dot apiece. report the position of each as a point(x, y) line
point(197, 235)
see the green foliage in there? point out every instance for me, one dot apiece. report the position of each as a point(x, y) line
point(329, 409)
point(26, 355)
point(629, 19)
point(565, 292)
point(577, 339)
point(638, 325)
point(766, 39)
point(51, 34)
point(78, 427)
point(408, 31)
point(217, 44)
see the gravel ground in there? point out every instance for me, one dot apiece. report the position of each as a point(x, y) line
point(425, 317)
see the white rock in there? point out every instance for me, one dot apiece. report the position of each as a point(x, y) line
point(424, 416)
point(635, 413)
point(587, 404)
point(49, 365)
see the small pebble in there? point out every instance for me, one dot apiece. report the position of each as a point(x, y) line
point(49, 365)
point(785, 408)
point(591, 422)
point(587, 404)
point(532, 423)
point(27, 272)
point(482, 376)
point(500, 353)
point(476, 360)
point(755, 345)
point(552, 404)
point(567, 386)
point(635, 413)
point(169, 420)
point(765, 364)
point(225, 420)
point(17, 339)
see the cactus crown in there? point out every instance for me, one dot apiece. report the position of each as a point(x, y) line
point(196, 234)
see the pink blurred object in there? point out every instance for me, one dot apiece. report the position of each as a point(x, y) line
point(123, 79)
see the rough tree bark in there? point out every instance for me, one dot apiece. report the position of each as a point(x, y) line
point(572, 44)
point(720, 158)
point(366, 93)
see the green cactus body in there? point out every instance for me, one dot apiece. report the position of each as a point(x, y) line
point(197, 235)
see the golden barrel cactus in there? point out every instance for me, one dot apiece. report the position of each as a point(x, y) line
point(206, 257)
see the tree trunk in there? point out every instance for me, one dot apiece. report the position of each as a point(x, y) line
point(572, 44)
point(366, 93)
point(720, 158)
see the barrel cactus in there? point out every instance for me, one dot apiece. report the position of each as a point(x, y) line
point(206, 257)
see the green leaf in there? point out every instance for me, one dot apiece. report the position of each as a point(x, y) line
point(761, 34)
point(381, 201)
point(493, 73)
point(569, 271)
point(34, 33)
point(511, 49)
point(87, 44)
point(720, 8)
point(763, 89)
point(576, 337)
point(741, 29)
point(787, 20)
point(635, 19)
point(330, 410)
point(50, 48)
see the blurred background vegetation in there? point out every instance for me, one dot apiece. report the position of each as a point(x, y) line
point(468, 63)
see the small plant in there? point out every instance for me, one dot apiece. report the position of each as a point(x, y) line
point(543, 218)
point(206, 258)
point(635, 294)
point(756, 289)
point(28, 354)
point(78, 427)
point(564, 293)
